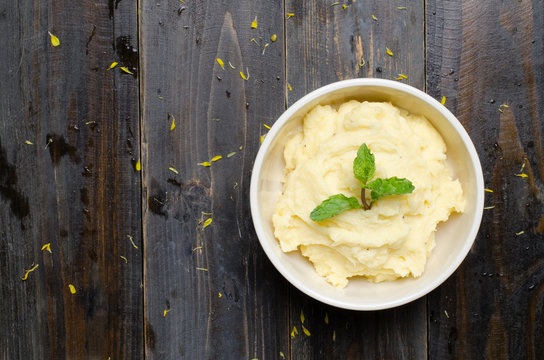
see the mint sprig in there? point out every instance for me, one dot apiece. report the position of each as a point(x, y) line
point(364, 167)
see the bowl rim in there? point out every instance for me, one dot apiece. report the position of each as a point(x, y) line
point(360, 82)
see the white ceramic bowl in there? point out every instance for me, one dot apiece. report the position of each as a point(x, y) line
point(454, 238)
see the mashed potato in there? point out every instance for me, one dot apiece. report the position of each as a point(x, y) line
point(395, 237)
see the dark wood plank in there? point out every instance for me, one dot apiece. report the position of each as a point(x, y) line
point(74, 187)
point(222, 297)
point(324, 44)
point(481, 54)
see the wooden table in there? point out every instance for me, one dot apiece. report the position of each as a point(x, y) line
point(91, 163)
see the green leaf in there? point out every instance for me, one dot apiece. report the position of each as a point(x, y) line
point(364, 164)
point(333, 206)
point(390, 186)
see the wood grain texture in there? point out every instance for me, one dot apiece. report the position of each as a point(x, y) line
point(73, 187)
point(324, 44)
point(210, 292)
point(481, 55)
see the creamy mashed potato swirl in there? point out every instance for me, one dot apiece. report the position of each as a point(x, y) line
point(395, 237)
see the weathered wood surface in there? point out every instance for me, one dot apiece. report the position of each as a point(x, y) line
point(74, 187)
point(222, 297)
point(326, 44)
point(480, 55)
point(197, 292)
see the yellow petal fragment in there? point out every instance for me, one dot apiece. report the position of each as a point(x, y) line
point(266, 126)
point(72, 289)
point(201, 269)
point(243, 76)
point(522, 175)
point(289, 87)
point(443, 101)
point(221, 63)
point(274, 37)
point(344, 6)
point(289, 15)
point(401, 76)
point(262, 138)
point(29, 271)
point(306, 331)
point(264, 48)
point(389, 52)
point(206, 213)
point(231, 154)
point(173, 170)
point(126, 70)
point(205, 163)
point(326, 318)
point(335, 3)
point(504, 105)
point(138, 166)
point(220, 295)
point(173, 125)
point(294, 332)
point(207, 223)
point(215, 158)
point(47, 247)
point(28, 142)
point(401, 7)
point(282, 355)
point(240, 147)
point(113, 64)
point(488, 190)
point(302, 318)
point(254, 23)
point(166, 311)
point(231, 66)
point(124, 258)
point(374, 17)
point(54, 40)
point(132, 241)
point(520, 233)
point(446, 313)
point(489, 207)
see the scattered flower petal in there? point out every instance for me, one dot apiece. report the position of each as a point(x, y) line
point(113, 64)
point(221, 63)
point(274, 37)
point(54, 40)
point(72, 289)
point(124, 258)
point(215, 158)
point(254, 23)
point(126, 70)
point(132, 241)
point(173, 170)
point(207, 223)
point(166, 311)
point(231, 154)
point(47, 247)
point(520, 233)
point(138, 166)
point(488, 190)
point(294, 332)
point(205, 164)
point(443, 101)
point(306, 331)
point(289, 15)
point(28, 142)
point(374, 17)
point(29, 271)
point(173, 126)
point(389, 52)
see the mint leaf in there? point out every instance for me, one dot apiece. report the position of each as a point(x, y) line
point(390, 186)
point(333, 206)
point(364, 164)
